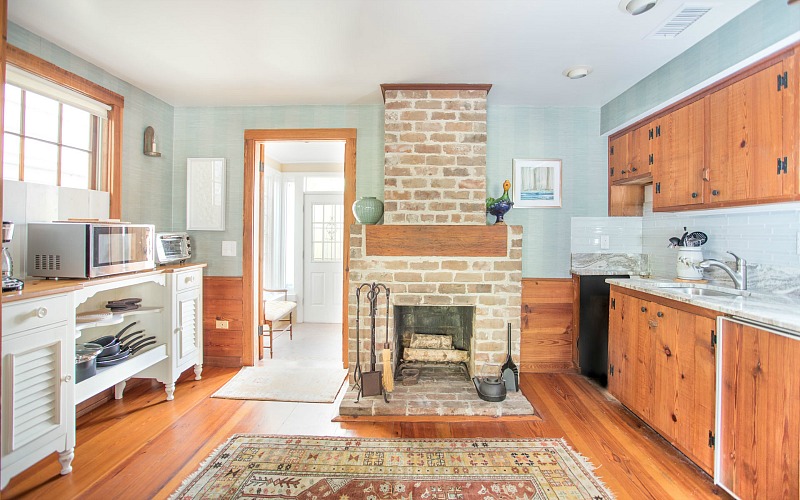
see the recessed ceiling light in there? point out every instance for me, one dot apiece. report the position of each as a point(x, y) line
point(636, 7)
point(577, 72)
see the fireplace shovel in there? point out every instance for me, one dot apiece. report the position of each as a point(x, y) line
point(509, 370)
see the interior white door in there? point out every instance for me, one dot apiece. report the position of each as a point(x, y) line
point(323, 226)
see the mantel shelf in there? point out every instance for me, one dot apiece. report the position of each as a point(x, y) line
point(398, 240)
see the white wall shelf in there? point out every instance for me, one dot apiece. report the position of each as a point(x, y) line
point(115, 318)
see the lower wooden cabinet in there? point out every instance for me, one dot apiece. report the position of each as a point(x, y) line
point(662, 366)
point(759, 417)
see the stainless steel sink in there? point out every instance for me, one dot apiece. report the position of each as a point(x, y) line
point(702, 290)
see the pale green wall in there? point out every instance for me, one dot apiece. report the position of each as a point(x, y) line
point(219, 132)
point(146, 181)
point(765, 23)
point(568, 134)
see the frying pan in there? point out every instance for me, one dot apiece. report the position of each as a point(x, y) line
point(140, 342)
point(110, 345)
point(142, 346)
point(118, 335)
point(132, 340)
point(120, 355)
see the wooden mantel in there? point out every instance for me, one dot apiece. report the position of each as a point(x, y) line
point(434, 86)
point(437, 241)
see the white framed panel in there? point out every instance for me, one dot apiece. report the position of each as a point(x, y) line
point(205, 194)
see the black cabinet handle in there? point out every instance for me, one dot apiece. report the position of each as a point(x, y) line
point(634, 169)
point(660, 314)
point(644, 309)
point(714, 192)
point(623, 171)
point(694, 195)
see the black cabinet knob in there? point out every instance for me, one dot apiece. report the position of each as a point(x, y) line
point(644, 309)
point(634, 169)
point(660, 314)
point(714, 192)
point(694, 195)
point(623, 171)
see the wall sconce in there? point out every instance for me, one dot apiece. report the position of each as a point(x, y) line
point(150, 142)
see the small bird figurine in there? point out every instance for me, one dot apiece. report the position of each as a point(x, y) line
point(500, 206)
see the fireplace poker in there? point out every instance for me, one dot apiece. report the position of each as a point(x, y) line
point(388, 377)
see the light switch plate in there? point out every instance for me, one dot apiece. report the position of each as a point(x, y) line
point(222, 324)
point(604, 242)
point(229, 249)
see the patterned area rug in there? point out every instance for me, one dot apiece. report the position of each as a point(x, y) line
point(259, 466)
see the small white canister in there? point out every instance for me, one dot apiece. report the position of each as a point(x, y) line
point(688, 265)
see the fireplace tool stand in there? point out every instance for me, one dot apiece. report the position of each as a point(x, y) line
point(370, 383)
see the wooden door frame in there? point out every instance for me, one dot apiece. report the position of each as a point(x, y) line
point(251, 248)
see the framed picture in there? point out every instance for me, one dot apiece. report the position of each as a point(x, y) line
point(536, 183)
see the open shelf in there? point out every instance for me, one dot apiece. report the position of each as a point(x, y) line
point(115, 318)
point(109, 376)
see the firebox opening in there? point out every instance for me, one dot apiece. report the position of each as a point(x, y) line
point(433, 334)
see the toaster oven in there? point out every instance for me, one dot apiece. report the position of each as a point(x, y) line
point(172, 247)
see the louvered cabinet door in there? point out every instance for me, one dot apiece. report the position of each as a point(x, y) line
point(188, 338)
point(38, 374)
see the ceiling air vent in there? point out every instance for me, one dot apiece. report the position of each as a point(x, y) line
point(684, 17)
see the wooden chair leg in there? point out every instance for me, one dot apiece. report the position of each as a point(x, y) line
point(261, 346)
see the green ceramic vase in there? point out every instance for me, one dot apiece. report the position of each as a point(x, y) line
point(368, 210)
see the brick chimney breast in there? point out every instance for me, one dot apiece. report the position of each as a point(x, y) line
point(435, 162)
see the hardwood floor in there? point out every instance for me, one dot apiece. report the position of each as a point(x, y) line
point(143, 446)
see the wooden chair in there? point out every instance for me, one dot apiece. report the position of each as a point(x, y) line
point(275, 311)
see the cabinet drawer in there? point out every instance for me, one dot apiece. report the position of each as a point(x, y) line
point(35, 313)
point(189, 279)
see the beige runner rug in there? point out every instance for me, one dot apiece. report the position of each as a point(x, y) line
point(259, 466)
point(283, 380)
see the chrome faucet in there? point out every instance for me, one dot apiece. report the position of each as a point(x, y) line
point(739, 276)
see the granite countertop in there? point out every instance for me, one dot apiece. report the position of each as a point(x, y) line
point(38, 287)
point(611, 264)
point(777, 311)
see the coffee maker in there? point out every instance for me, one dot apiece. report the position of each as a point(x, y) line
point(9, 282)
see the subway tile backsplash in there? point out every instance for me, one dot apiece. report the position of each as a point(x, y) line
point(624, 234)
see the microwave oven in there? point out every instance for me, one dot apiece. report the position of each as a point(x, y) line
point(172, 247)
point(88, 250)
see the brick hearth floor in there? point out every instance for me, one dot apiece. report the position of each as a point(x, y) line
point(442, 390)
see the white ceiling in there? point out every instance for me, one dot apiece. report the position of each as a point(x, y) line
point(289, 152)
point(276, 52)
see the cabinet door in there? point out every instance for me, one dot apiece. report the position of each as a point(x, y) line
point(746, 138)
point(618, 163)
point(188, 325)
point(37, 383)
point(680, 157)
point(683, 405)
point(641, 158)
point(643, 380)
point(615, 344)
point(759, 449)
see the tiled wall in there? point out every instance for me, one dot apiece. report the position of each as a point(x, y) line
point(219, 132)
point(146, 181)
point(764, 24)
point(568, 134)
point(624, 234)
point(764, 234)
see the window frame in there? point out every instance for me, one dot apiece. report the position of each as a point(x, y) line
point(111, 177)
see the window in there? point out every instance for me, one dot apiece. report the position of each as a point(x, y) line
point(61, 129)
point(48, 141)
point(327, 223)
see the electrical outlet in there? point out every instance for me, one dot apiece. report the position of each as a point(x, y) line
point(604, 242)
point(222, 324)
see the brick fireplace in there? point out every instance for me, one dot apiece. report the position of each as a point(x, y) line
point(435, 248)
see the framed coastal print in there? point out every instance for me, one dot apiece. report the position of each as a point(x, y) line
point(536, 183)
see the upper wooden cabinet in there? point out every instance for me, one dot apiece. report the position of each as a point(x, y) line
point(618, 158)
point(735, 143)
point(751, 132)
point(678, 175)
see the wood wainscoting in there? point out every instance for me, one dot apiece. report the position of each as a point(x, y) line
point(223, 300)
point(548, 335)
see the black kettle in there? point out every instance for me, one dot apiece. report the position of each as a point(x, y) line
point(491, 389)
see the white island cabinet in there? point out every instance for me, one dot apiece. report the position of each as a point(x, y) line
point(38, 408)
point(43, 323)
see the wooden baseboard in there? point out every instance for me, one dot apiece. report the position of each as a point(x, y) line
point(222, 361)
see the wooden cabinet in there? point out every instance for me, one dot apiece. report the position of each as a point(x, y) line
point(735, 143)
point(547, 332)
point(759, 414)
point(38, 415)
point(662, 367)
point(678, 176)
point(751, 131)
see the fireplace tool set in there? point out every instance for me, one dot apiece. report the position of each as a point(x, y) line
point(372, 382)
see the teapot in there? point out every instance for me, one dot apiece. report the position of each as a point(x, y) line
point(491, 389)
